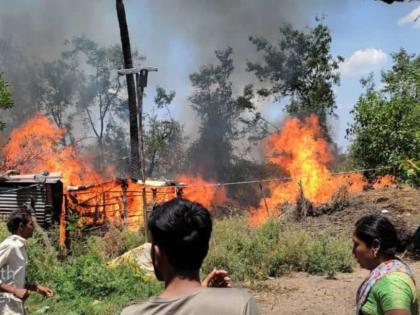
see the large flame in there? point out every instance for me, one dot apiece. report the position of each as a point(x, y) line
point(197, 189)
point(36, 146)
point(300, 150)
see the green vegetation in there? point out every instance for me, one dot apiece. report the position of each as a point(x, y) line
point(5, 98)
point(299, 66)
point(386, 128)
point(84, 284)
point(273, 249)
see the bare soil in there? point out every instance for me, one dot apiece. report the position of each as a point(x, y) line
point(400, 203)
point(300, 293)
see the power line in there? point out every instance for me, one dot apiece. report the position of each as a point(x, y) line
point(282, 178)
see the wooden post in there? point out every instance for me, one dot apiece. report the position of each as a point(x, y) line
point(145, 214)
point(125, 203)
point(265, 200)
point(131, 89)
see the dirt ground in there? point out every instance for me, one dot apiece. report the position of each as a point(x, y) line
point(301, 293)
point(400, 204)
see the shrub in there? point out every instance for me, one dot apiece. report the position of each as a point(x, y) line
point(82, 283)
point(255, 253)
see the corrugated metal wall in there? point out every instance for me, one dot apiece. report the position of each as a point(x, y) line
point(13, 196)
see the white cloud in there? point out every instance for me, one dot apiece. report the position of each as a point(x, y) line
point(411, 18)
point(364, 61)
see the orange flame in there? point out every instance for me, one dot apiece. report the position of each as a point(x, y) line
point(384, 181)
point(199, 190)
point(301, 151)
point(35, 146)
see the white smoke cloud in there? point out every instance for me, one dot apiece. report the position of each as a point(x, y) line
point(364, 61)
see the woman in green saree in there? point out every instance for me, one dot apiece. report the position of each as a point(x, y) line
point(390, 288)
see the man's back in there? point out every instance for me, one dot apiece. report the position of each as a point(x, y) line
point(204, 301)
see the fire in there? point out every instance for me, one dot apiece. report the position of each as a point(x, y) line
point(36, 146)
point(199, 190)
point(384, 181)
point(301, 151)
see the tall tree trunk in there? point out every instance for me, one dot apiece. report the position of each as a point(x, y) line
point(132, 104)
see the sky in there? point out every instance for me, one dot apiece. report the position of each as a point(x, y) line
point(178, 36)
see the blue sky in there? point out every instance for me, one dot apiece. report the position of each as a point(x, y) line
point(374, 28)
point(178, 36)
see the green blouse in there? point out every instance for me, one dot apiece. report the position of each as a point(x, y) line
point(394, 291)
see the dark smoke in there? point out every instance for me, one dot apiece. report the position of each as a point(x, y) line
point(163, 30)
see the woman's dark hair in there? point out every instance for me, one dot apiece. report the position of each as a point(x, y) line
point(378, 228)
point(18, 217)
point(182, 229)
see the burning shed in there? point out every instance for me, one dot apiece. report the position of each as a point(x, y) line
point(43, 192)
point(121, 201)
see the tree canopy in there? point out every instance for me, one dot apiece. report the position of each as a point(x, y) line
point(221, 116)
point(5, 98)
point(300, 68)
point(386, 128)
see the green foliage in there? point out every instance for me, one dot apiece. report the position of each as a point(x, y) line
point(163, 139)
point(271, 250)
point(300, 67)
point(6, 100)
point(82, 282)
point(386, 129)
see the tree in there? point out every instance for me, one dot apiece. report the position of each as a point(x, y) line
point(115, 148)
point(220, 114)
point(386, 130)
point(99, 85)
point(163, 139)
point(164, 147)
point(60, 83)
point(22, 73)
point(301, 68)
point(6, 101)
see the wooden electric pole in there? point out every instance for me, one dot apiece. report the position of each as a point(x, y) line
point(131, 89)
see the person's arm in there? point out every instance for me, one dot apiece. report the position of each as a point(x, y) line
point(218, 278)
point(19, 293)
point(46, 292)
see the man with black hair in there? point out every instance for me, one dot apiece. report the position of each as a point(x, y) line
point(180, 232)
point(13, 261)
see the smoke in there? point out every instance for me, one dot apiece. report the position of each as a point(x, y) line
point(40, 27)
point(176, 36)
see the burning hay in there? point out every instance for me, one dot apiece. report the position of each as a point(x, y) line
point(301, 150)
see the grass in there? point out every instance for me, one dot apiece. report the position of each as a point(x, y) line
point(270, 250)
point(84, 284)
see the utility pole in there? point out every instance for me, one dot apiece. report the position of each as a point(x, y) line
point(141, 83)
point(131, 89)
